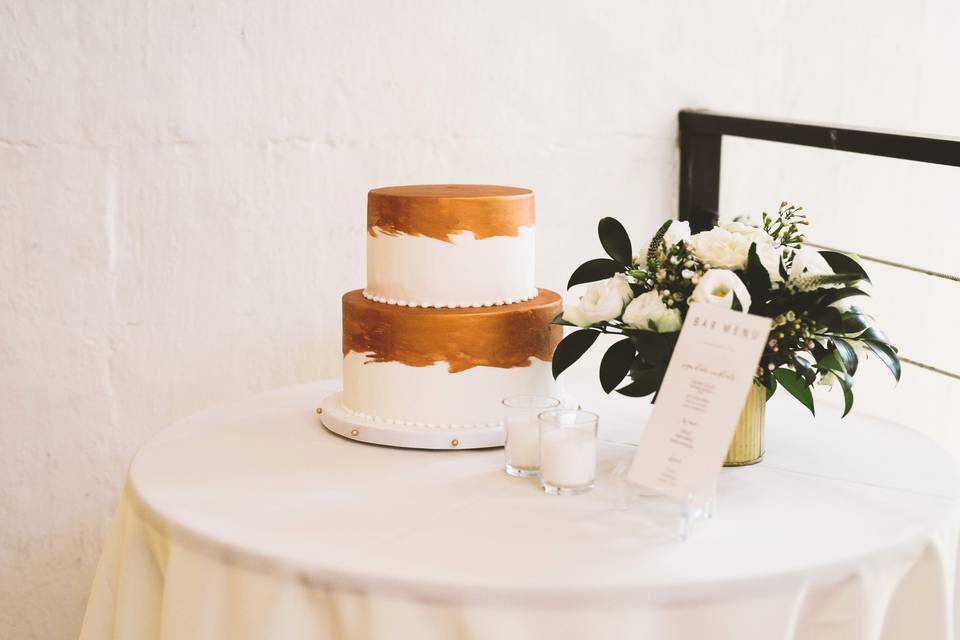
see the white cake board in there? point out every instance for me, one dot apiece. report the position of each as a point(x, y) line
point(341, 422)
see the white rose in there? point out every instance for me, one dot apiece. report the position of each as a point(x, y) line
point(602, 301)
point(647, 308)
point(809, 261)
point(621, 285)
point(750, 232)
point(767, 249)
point(677, 232)
point(719, 286)
point(721, 248)
point(669, 321)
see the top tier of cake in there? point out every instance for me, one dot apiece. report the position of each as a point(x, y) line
point(450, 245)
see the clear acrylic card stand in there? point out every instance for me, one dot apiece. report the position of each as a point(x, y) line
point(653, 513)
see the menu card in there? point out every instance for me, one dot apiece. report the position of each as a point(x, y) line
point(700, 400)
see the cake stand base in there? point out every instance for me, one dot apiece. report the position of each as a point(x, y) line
point(341, 422)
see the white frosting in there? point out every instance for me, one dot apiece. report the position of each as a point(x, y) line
point(493, 303)
point(433, 397)
point(424, 272)
point(425, 425)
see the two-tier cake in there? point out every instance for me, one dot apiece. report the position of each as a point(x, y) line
point(450, 322)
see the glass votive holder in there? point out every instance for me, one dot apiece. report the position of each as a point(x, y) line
point(568, 451)
point(522, 446)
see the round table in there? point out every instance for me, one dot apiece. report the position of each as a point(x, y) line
point(250, 520)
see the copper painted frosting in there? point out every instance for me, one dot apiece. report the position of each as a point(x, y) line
point(441, 210)
point(504, 337)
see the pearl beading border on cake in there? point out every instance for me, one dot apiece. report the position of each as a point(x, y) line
point(422, 425)
point(429, 305)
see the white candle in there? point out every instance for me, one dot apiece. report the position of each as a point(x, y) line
point(568, 457)
point(523, 443)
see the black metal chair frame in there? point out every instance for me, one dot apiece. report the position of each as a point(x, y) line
point(701, 139)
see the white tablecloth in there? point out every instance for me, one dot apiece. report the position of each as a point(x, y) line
point(251, 521)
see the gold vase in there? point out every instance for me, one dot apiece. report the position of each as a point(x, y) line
point(747, 444)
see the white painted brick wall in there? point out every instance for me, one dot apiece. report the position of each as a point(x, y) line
point(182, 189)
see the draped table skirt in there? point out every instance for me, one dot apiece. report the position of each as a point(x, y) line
point(251, 521)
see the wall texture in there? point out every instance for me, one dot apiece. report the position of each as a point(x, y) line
point(182, 189)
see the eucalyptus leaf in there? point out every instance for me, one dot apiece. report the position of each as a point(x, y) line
point(615, 241)
point(593, 270)
point(571, 348)
point(616, 363)
point(841, 263)
point(796, 386)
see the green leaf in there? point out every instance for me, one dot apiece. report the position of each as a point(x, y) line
point(854, 322)
point(758, 280)
point(875, 335)
point(645, 382)
point(558, 319)
point(615, 241)
point(772, 389)
point(841, 263)
point(616, 363)
point(846, 383)
point(593, 270)
point(887, 354)
point(653, 347)
point(571, 348)
point(805, 369)
point(829, 317)
point(796, 386)
point(846, 354)
point(819, 351)
point(835, 295)
point(829, 361)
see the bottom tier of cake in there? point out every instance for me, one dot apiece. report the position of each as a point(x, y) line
point(445, 369)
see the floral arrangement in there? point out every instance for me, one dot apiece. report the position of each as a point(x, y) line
point(817, 334)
